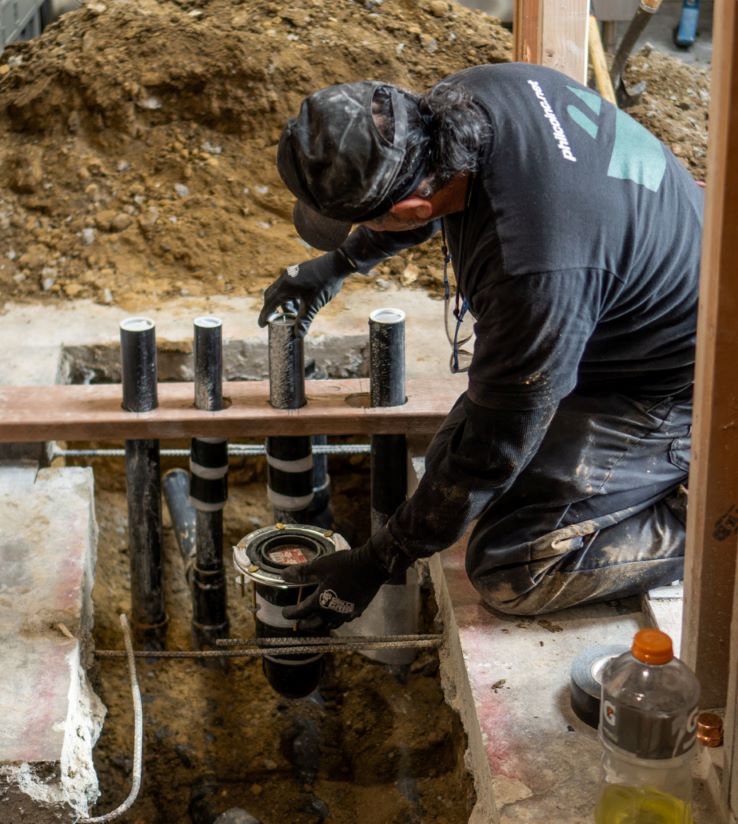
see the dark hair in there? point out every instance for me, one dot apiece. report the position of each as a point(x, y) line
point(457, 129)
point(446, 130)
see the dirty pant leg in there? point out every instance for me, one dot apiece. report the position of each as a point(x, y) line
point(594, 515)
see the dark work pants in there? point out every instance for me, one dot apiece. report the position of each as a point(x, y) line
point(595, 514)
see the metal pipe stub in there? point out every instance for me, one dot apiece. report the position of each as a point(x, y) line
point(387, 357)
point(143, 484)
point(260, 557)
point(387, 388)
point(289, 457)
point(208, 490)
point(286, 363)
point(396, 608)
point(138, 364)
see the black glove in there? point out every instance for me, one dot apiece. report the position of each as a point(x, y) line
point(347, 582)
point(306, 288)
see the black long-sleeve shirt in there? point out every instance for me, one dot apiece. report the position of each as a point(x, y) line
point(578, 254)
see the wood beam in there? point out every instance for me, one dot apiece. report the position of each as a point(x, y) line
point(712, 521)
point(553, 33)
point(334, 407)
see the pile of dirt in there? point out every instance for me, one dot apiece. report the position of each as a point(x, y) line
point(138, 139)
point(674, 105)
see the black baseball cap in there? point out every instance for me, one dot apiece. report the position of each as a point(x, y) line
point(340, 166)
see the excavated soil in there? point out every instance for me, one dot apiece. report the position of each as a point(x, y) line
point(137, 140)
point(373, 746)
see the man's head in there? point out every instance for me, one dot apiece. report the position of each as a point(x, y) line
point(345, 157)
point(358, 152)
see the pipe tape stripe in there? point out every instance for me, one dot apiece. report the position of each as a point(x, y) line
point(287, 503)
point(209, 454)
point(299, 465)
point(290, 483)
point(208, 473)
point(203, 507)
point(323, 487)
point(270, 614)
point(293, 660)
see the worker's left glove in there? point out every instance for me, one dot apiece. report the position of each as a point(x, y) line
point(347, 582)
point(305, 288)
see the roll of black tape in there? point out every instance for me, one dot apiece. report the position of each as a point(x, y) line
point(586, 680)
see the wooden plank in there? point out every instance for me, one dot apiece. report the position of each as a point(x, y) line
point(527, 21)
point(597, 58)
point(553, 34)
point(724, 100)
point(334, 407)
point(712, 520)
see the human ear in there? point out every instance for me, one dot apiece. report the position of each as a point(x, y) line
point(413, 208)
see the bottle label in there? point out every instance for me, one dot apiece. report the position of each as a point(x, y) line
point(650, 734)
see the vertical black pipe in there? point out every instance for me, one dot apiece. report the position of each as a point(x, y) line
point(139, 377)
point(387, 388)
point(208, 491)
point(289, 457)
point(320, 512)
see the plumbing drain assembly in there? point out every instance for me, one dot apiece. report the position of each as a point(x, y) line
point(260, 557)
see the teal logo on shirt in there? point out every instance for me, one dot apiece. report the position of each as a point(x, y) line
point(636, 154)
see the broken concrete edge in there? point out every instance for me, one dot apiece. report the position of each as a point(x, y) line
point(458, 693)
point(71, 782)
point(454, 677)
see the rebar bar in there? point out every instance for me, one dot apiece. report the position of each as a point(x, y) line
point(313, 648)
point(236, 450)
point(358, 640)
point(137, 733)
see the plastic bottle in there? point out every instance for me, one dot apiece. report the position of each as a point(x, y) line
point(648, 719)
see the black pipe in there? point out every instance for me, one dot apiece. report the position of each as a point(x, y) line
point(139, 378)
point(320, 512)
point(261, 557)
point(387, 388)
point(208, 491)
point(289, 457)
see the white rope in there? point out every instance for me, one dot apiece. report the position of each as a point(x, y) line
point(137, 735)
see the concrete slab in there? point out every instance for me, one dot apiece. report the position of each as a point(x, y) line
point(664, 607)
point(32, 336)
point(533, 760)
point(51, 717)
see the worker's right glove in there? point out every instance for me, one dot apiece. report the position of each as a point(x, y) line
point(347, 581)
point(305, 288)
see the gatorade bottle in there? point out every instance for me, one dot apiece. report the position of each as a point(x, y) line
point(648, 719)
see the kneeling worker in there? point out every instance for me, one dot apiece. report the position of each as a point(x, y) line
point(575, 240)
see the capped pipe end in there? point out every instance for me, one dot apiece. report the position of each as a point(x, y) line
point(137, 324)
point(387, 315)
point(282, 318)
point(208, 322)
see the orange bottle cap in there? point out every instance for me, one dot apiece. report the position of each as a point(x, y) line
point(652, 647)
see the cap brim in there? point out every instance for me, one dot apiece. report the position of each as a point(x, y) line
point(319, 231)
